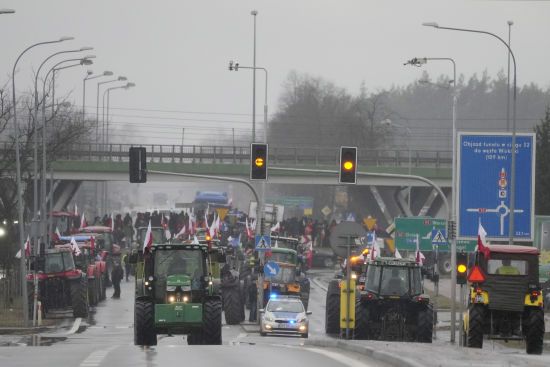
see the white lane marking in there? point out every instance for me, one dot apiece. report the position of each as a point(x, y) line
point(95, 358)
point(236, 341)
point(75, 327)
point(340, 358)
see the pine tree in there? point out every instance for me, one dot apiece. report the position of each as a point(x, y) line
point(542, 177)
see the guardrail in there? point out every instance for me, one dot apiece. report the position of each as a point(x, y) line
point(278, 155)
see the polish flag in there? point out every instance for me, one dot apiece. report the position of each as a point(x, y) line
point(419, 255)
point(83, 223)
point(181, 232)
point(375, 249)
point(212, 229)
point(74, 247)
point(481, 242)
point(148, 240)
point(248, 229)
point(27, 249)
point(276, 227)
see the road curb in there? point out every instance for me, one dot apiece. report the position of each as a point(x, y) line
point(382, 356)
point(24, 330)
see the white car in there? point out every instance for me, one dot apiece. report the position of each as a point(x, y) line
point(284, 315)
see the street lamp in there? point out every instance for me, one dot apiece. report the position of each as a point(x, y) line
point(510, 23)
point(7, 11)
point(88, 77)
point(119, 79)
point(512, 179)
point(254, 13)
point(35, 164)
point(79, 62)
point(19, 195)
point(106, 124)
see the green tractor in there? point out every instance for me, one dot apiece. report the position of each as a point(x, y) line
point(175, 295)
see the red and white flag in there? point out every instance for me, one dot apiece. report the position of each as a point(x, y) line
point(249, 231)
point(419, 255)
point(276, 227)
point(481, 242)
point(212, 229)
point(83, 223)
point(148, 240)
point(74, 247)
point(181, 232)
point(27, 249)
point(192, 223)
point(375, 249)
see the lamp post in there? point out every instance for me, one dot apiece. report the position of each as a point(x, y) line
point(7, 11)
point(89, 77)
point(420, 62)
point(19, 195)
point(35, 163)
point(254, 13)
point(119, 79)
point(513, 169)
point(106, 125)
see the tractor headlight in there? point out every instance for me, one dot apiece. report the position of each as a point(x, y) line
point(171, 299)
point(185, 299)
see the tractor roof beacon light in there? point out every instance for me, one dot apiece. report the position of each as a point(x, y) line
point(348, 165)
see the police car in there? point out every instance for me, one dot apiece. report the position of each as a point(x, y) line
point(284, 315)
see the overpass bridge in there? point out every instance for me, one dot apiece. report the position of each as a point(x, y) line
point(93, 162)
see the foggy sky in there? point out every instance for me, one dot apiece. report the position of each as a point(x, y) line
point(177, 51)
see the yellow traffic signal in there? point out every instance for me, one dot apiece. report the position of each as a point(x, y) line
point(461, 268)
point(258, 161)
point(348, 165)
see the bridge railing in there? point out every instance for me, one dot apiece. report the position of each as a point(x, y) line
point(278, 155)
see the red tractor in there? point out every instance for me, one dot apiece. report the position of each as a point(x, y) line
point(61, 285)
point(89, 261)
point(105, 246)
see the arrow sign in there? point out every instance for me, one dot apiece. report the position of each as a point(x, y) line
point(271, 269)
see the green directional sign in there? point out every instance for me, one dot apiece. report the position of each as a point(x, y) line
point(406, 230)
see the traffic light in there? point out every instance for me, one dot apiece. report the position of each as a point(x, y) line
point(451, 229)
point(138, 165)
point(258, 161)
point(348, 165)
point(461, 267)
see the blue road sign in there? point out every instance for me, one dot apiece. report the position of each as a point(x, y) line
point(271, 269)
point(263, 243)
point(484, 172)
point(370, 237)
point(439, 237)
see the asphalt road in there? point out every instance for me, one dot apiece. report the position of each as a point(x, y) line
point(106, 340)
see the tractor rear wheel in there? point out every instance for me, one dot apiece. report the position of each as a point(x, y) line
point(232, 306)
point(92, 292)
point(361, 322)
point(144, 323)
point(79, 297)
point(425, 324)
point(212, 322)
point(332, 314)
point(534, 331)
point(476, 314)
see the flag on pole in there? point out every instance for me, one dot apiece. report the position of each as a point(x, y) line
point(397, 254)
point(419, 255)
point(83, 223)
point(481, 242)
point(181, 232)
point(375, 249)
point(148, 240)
point(27, 249)
point(74, 247)
point(276, 227)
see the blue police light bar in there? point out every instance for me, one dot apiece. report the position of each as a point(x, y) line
point(272, 296)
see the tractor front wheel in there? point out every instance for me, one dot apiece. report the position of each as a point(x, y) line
point(212, 322)
point(79, 297)
point(534, 331)
point(144, 323)
point(425, 324)
point(361, 321)
point(332, 314)
point(476, 314)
